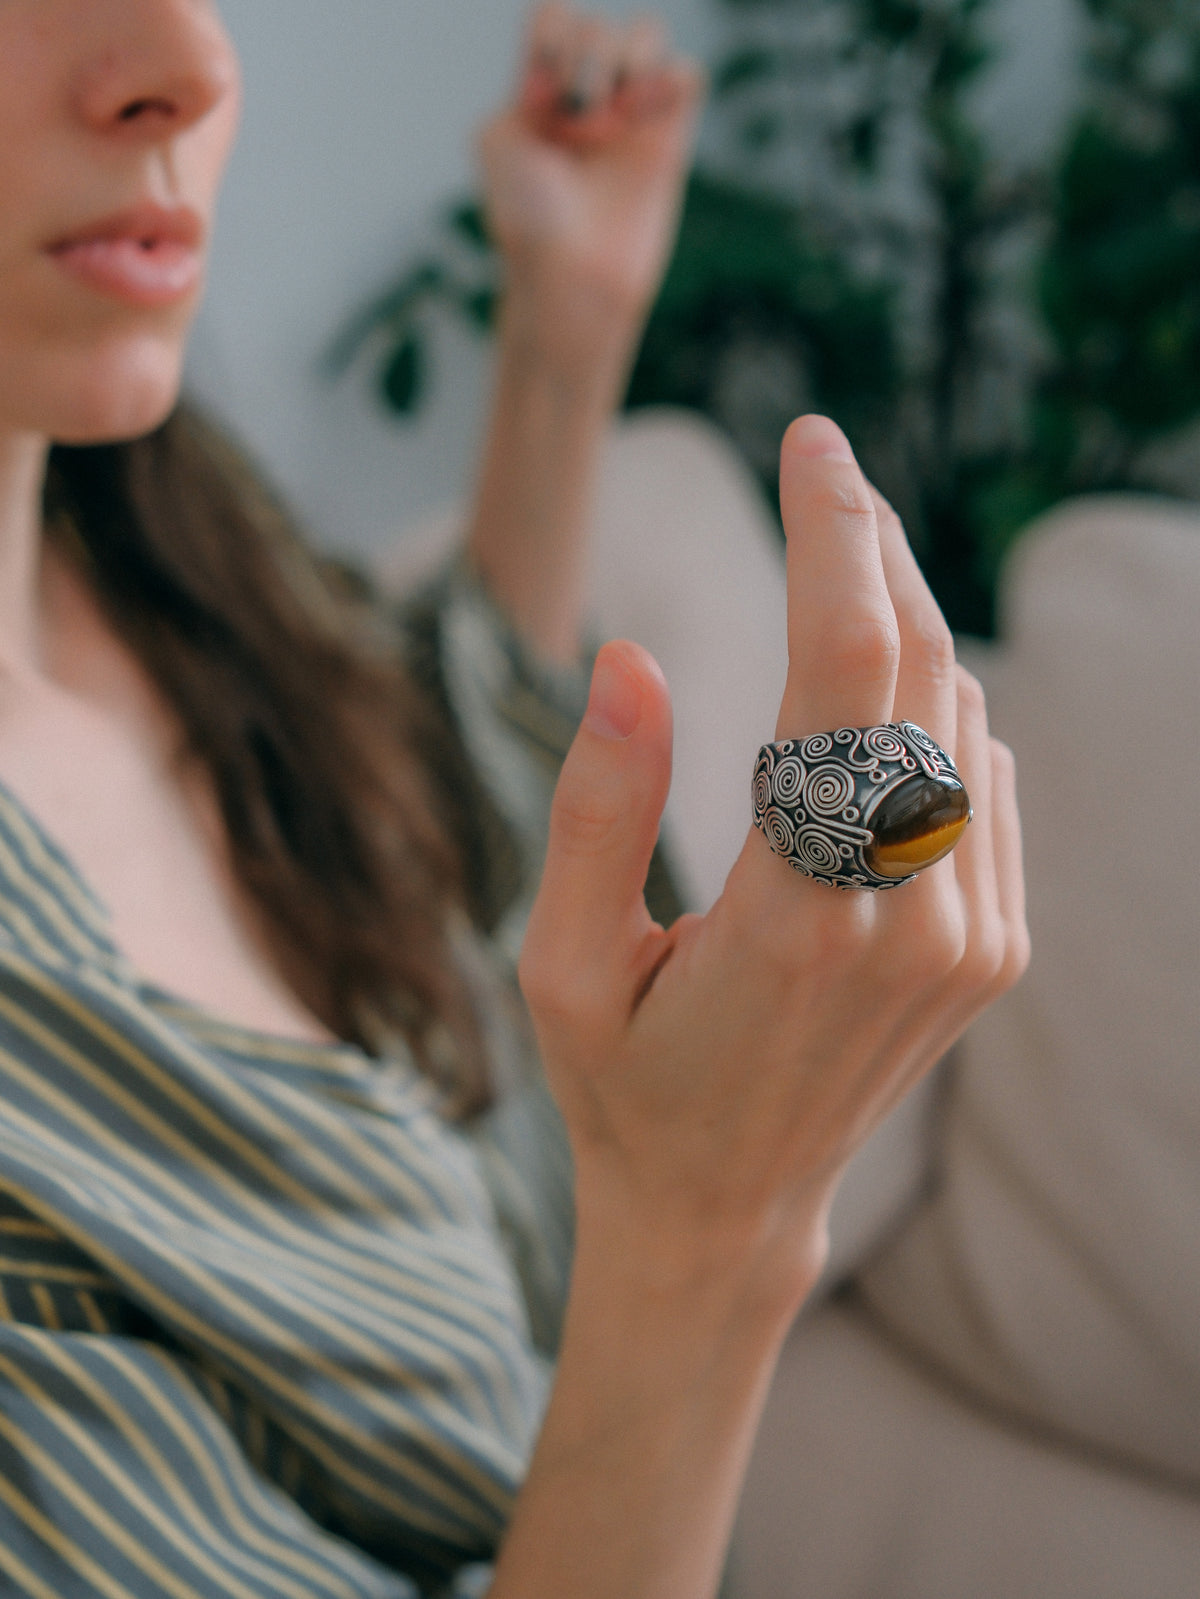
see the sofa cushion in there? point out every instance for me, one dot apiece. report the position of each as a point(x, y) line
point(873, 1480)
point(1054, 1269)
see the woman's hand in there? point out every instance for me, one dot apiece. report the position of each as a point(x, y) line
point(716, 1078)
point(584, 176)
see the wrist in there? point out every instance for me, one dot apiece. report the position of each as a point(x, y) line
point(646, 1439)
point(724, 1266)
point(579, 336)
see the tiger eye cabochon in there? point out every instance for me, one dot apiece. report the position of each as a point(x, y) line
point(916, 825)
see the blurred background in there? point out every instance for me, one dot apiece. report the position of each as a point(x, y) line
point(970, 229)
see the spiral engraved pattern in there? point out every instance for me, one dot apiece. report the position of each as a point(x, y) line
point(931, 756)
point(829, 790)
point(817, 747)
point(816, 853)
point(813, 798)
point(762, 789)
point(883, 744)
point(779, 832)
point(788, 780)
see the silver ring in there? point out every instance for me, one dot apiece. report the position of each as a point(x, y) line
point(861, 807)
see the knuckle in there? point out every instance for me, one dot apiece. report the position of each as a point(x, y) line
point(946, 948)
point(862, 649)
point(984, 958)
point(804, 928)
point(839, 930)
point(583, 825)
point(972, 702)
point(884, 509)
point(933, 944)
point(558, 992)
point(1017, 955)
point(840, 495)
point(997, 957)
point(951, 947)
point(888, 520)
point(930, 646)
point(1004, 762)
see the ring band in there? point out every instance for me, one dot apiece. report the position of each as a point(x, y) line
point(861, 807)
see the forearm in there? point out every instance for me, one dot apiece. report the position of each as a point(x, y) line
point(551, 408)
point(634, 1484)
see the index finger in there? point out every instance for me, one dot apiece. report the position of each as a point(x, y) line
point(843, 639)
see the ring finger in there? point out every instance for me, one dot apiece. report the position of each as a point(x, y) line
point(926, 681)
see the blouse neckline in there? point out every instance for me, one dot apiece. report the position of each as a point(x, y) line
point(33, 863)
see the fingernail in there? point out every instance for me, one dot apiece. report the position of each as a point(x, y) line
point(818, 438)
point(614, 706)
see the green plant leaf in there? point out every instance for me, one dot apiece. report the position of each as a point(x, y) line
point(862, 141)
point(467, 220)
point(896, 21)
point(390, 309)
point(757, 132)
point(479, 307)
point(754, 65)
point(402, 378)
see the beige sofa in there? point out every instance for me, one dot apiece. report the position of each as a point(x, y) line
point(1007, 1402)
point(998, 1396)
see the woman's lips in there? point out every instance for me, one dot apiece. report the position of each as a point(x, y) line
point(147, 258)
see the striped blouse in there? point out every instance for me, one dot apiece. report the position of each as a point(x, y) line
point(270, 1327)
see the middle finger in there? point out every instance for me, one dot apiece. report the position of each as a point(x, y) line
point(843, 641)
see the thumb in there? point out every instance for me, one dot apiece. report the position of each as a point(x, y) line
point(585, 950)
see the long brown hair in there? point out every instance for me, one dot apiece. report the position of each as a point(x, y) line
point(314, 737)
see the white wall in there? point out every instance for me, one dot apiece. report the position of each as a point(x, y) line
point(358, 127)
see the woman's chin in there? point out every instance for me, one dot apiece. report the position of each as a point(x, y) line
point(114, 415)
point(114, 426)
point(99, 401)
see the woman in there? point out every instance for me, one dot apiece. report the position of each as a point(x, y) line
point(262, 1330)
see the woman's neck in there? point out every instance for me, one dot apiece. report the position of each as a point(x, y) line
point(23, 459)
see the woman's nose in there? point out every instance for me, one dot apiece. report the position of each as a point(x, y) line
point(160, 66)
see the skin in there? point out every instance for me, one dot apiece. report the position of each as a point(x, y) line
point(715, 1078)
point(108, 105)
point(144, 106)
point(584, 178)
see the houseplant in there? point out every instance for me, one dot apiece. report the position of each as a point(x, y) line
point(992, 337)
